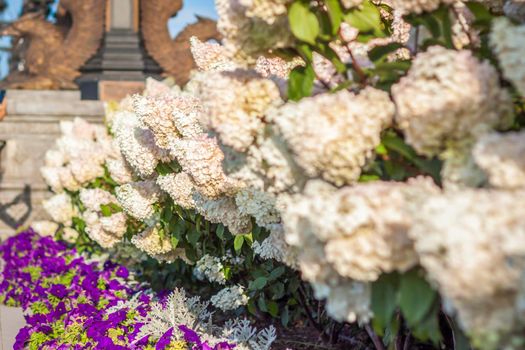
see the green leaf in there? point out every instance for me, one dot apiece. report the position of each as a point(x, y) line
point(273, 308)
point(115, 208)
point(248, 238)
point(395, 143)
point(336, 14)
point(416, 297)
point(276, 273)
point(368, 178)
point(428, 328)
point(277, 290)
point(238, 242)
point(220, 231)
point(285, 317)
point(480, 12)
point(262, 303)
point(461, 341)
point(366, 19)
point(193, 237)
point(446, 27)
point(303, 22)
point(105, 210)
point(300, 83)
point(384, 300)
point(259, 283)
point(174, 241)
point(380, 52)
point(167, 214)
point(251, 307)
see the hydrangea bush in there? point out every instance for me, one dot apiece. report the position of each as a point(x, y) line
point(373, 149)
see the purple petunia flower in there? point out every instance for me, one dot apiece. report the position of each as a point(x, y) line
point(164, 340)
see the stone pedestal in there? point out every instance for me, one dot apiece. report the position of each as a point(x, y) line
point(29, 129)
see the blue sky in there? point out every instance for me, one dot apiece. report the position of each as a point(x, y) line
point(204, 8)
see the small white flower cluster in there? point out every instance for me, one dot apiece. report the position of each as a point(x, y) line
point(158, 247)
point(210, 268)
point(78, 157)
point(501, 157)
point(106, 230)
point(45, 228)
point(60, 208)
point(508, 42)
point(230, 298)
point(252, 27)
point(137, 198)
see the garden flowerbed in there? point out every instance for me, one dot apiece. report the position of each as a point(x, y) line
point(346, 174)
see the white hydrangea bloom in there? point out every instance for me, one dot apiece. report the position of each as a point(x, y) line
point(346, 302)
point(210, 268)
point(364, 228)
point(210, 56)
point(275, 66)
point(259, 204)
point(236, 103)
point(70, 235)
point(248, 36)
point(51, 176)
point(78, 128)
point(45, 228)
point(180, 188)
point(67, 180)
point(95, 197)
point(472, 245)
point(136, 144)
point(508, 42)
point(459, 168)
point(96, 232)
point(60, 208)
point(154, 245)
point(333, 135)
point(119, 170)
point(115, 224)
point(417, 6)
point(268, 10)
point(137, 198)
point(225, 211)
point(54, 158)
point(155, 87)
point(155, 112)
point(275, 247)
point(201, 158)
point(77, 148)
point(502, 157)
point(470, 100)
point(86, 169)
point(230, 298)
